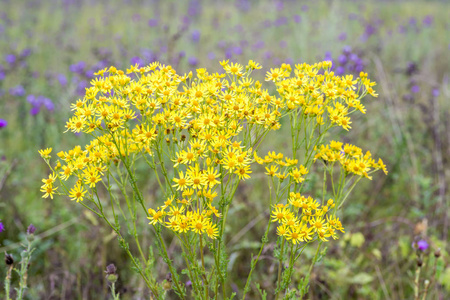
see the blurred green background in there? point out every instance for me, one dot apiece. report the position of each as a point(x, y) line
point(50, 50)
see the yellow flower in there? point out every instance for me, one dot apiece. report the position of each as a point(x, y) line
point(45, 153)
point(77, 193)
point(49, 190)
point(181, 182)
point(211, 230)
point(243, 172)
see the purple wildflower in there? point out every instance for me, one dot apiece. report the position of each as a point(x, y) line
point(136, 60)
point(25, 52)
point(31, 229)
point(280, 21)
point(2, 227)
point(342, 37)
point(17, 91)
point(194, 8)
point(428, 21)
point(237, 50)
point(342, 59)
point(3, 123)
point(153, 22)
point(211, 55)
point(195, 36)
point(193, 61)
point(78, 68)
point(62, 79)
point(35, 110)
point(297, 19)
point(340, 71)
point(415, 89)
point(435, 92)
point(10, 59)
point(422, 245)
point(243, 5)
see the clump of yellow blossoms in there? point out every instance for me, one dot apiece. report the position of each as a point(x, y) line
point(200, 135)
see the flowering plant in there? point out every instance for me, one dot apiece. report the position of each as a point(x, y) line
point(199, 136)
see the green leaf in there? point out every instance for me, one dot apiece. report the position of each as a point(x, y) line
point(361, 278)
point(357, 239)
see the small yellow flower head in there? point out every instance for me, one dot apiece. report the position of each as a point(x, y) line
point(45, 153)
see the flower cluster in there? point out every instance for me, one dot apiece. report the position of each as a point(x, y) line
point(304, 219)
point(208, 127)
point(351, 158)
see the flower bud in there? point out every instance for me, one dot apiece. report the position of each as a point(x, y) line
point(437, 253)
point(31, 229)
point(111, 275)
point(419, 263)
point(9, 260)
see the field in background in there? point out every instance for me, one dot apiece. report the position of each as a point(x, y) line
point(50, 50)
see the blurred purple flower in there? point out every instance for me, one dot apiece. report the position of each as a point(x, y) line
point(193, 61)
point(136, 60)
point(435, 92)
point(228, 53)
point(412, 22)
point(194, 8)
point(415, 89)
point(48, 104)
point(342, 37)
point(342, 59)
point(10, 59)
point(347, 50)
point(258, 45)
point(35, 110)
point(31, 229)
point(280, 21)
point(2, 74)
point(39, 102)
point(267, 55)
point(62, 79)
point(89, 74)
point(369, 31)
point(195, 36)
point(297, 18)
point(78, 67)
point(153, 22)
point(17, 91)
point(237, 50)
point(2, 227)
point(422, 245)
point(81, 87)
point(3, 123)
point(340, 70)
point(402, 29)
point(328, 56)
point(25, 52)
point(211, 55)
point(243, 5)
point(305, 7)
point(428, 20)
point(279, 5)
point(243, 43)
